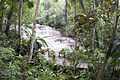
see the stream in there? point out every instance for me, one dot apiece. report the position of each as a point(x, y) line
point(55, 41)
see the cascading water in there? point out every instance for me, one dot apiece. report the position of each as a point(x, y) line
point(55, 41)
point(53, 38)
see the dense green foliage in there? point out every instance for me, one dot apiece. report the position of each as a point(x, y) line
point(93, 24)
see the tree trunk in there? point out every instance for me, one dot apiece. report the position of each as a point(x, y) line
point(75, 7)
point(9, 16)
point(1, 17)
point(65, 17)
point(8, 22)
point(19, 24)
point(33, 30)
point(93, 38)
point(82, 5)
point(47, 6)
point(66, 11)
point(77, 34)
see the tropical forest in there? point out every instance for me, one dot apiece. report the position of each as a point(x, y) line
point(59, 39)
